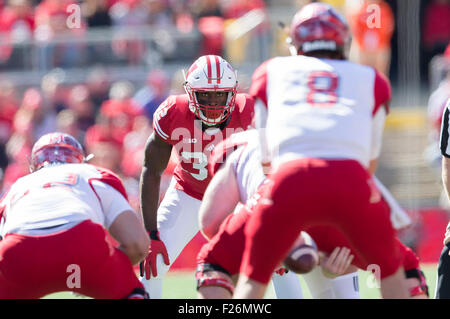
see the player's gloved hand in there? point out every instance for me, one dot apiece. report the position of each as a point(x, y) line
point(420, 287)
point(148, 266)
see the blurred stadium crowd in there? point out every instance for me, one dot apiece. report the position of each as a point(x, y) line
point(113, 117)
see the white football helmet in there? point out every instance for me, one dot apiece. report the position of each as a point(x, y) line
point(211, 73)
point(56, 148)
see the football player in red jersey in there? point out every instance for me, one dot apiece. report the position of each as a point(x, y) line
point(53, 225)
point(324, 132)
point(191, 125)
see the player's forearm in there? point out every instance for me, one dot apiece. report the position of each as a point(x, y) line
point(149, 197)
point(445, 175)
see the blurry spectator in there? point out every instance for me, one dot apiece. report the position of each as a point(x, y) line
point(207, 8)
point(17, 26)
point(80, 103)
point(125, 13)
point(52, 20)
point(106, 154)
point(17, 148)
point(153, 93)
point(21, 141)
point(210, 23)
point(116, 116)
point(96, 13)
point(182, 14)
point(159, 13)
point(128, 13)
point(54, 89)
point(372, 34)
point(132, 157)
point(67, 122)
point(8, 108)
point(34, 116)
point(436, 27)
point(101, 131)
point(134, 146)
point(212, 30)
point(98, 85)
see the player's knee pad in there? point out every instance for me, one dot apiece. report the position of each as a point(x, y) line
point(138, 293)
point(422, 287)
point(213, 275)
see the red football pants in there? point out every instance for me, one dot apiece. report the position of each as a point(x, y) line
point(226, 247)
point(316, 192)
point(35, 266)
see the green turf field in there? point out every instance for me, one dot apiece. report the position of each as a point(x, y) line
point(181, 285)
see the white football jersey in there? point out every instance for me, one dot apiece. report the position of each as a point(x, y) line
point(321, 108)
point(60, 196)
point(246, 163)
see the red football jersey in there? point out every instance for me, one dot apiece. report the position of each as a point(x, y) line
point(176, 124)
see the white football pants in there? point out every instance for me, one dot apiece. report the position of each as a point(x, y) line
point(177, 225)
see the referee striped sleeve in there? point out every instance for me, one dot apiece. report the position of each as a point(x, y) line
point(445, 134)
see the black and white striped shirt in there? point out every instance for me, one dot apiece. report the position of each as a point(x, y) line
point(445, 131)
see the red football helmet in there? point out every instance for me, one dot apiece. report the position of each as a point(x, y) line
point(211, 73)
point(56, 148)
point(318, 26)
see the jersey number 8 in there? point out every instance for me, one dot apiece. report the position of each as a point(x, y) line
point(323, 89)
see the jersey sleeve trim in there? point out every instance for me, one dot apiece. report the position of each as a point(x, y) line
point(112, 180)
point(158, 129)
point(258, 89)
point(382, 92)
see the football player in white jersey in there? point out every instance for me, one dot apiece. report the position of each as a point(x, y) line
point(54, 225)
point(324, 127)
point(237, 171)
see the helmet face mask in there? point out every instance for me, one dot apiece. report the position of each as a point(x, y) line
point(56, 148)
point(319, 27)
point(207, 78)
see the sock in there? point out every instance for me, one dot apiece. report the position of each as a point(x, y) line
point(287, 286)
point(320, 286)
point(346, 286)
point(443, 275)
point(153, 287)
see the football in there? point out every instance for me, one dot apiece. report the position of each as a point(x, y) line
point(303, 256)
